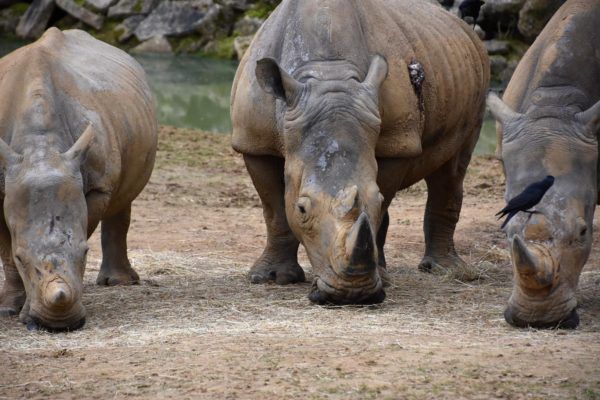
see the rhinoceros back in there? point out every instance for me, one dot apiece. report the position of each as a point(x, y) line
point(302, 32)
point(81, 80)
point(565, 56)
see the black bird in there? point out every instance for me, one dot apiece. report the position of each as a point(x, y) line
point(527, 199)
point(470, 8)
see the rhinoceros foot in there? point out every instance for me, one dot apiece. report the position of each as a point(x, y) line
point(450, 266)
point(124, 275)
point(281, 273)
point(11, 302)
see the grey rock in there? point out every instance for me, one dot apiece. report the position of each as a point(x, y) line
point(177, 18)
point(247, 26)
point(500, 15)
point(100, 5)
point(158, 44)
point(33, 23)
point(81, 13)
point(127, 27)
point(497, 47)
point(127, 8)
point(480, 32)
point(497, 64)
point(241, 44)
point(240, 5)
point(507, 73)
point(534, 15)
point(9, 20)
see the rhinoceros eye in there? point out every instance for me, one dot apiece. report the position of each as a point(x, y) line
point(303, 206)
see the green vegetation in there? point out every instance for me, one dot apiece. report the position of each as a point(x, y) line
point(186, 44)
point(221, 48)
point(109, 33)
point(138, 6)
point(260, 10)
point(19, 8)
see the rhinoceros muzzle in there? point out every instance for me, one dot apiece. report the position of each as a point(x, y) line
point(324, 294)
point(539, 300)
point(58, 309)
point(356, 281)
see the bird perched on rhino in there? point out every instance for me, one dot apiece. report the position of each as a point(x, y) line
point(527, 199)
point(470, 9)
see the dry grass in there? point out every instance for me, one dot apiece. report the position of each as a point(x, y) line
point(195, 328)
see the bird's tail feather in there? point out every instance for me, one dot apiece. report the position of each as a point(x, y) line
point(510, 215)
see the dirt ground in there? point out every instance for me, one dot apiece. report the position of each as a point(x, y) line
point(196, 328)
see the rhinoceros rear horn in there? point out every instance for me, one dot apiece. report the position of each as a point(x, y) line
point(274, 80)
point(500, 110)
point(7, 155)
point(79, 150)
point(378, 71)
point(590, 118)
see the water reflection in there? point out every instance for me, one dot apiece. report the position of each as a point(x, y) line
point(194, 92)
point(191, 92)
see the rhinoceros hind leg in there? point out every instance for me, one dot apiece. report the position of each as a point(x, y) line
point(444, 201)
point(115, 268)
point(279, 260)
point(12, 295)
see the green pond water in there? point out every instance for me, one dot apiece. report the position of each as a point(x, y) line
point(194, 92)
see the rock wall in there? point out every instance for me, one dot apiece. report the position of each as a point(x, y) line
point(224, 28)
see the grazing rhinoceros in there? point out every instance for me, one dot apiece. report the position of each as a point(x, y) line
point(332, 124)
point(79, 137)
point(549, 123)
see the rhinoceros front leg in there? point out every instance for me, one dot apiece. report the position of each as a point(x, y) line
point(381, 236)
point(444, 201)
point(279, 260)
point(12, 295)
point(116, 269)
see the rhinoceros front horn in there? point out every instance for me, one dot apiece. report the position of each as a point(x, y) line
point(361, 247)
point(532, 269)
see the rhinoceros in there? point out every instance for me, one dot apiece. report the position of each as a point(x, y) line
point(549, 121)
point(77, 144)
point(336, 106)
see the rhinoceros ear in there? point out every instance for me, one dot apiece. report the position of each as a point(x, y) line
point(79, 150)
point(590, 118)
point(378, 71)
point(501, 112)
point(274, 80)
point(7, 155)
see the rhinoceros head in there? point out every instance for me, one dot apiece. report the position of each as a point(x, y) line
point(46, 214)
point(549, 248)
point(333, 204)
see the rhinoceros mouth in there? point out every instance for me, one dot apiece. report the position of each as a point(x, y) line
point(323, 293)
point(55, 323)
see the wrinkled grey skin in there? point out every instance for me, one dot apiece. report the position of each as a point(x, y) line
point(331, 127)
point(77, 145)
point(549, 125)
